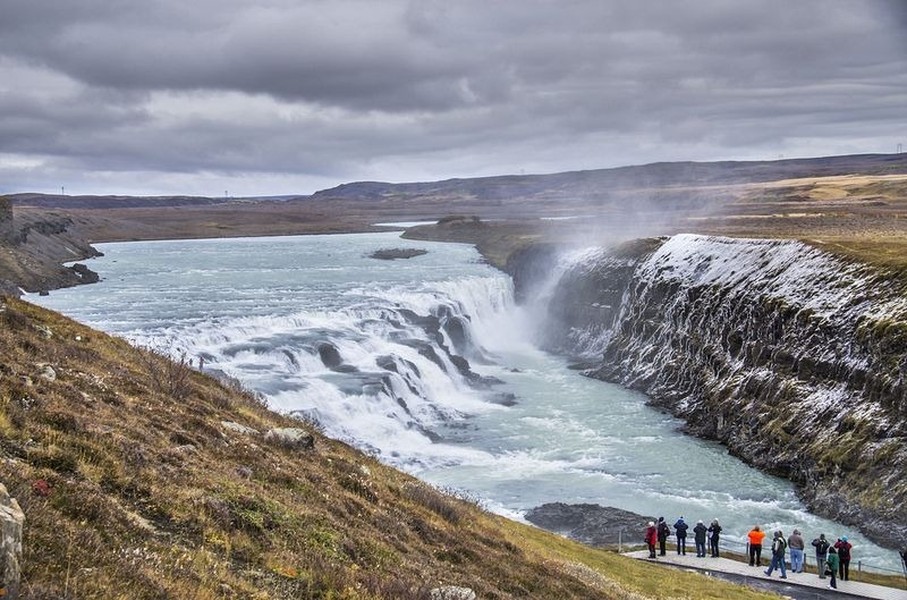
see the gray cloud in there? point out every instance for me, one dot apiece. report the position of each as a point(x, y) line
point(293, 95)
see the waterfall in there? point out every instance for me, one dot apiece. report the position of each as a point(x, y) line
point(430, 365)
point(381, 374)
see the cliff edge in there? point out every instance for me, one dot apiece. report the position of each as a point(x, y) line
point(34, 248)
point(793, 358)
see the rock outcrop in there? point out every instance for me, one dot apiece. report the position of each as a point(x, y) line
point(6, 218)
point(12, 520)
point(590, 524)
point(33, 248)
point(291, 437)
point(794, 359)
point(396, 253)
point(452, 592)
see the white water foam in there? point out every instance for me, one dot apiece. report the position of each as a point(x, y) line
point(262, 309)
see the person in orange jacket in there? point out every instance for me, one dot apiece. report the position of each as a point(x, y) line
point(756, 536)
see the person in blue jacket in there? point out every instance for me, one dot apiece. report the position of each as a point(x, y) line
point(680, 530)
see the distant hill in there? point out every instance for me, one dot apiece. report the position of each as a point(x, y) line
point(632, 177)
point(93, 202)
point(854, 204)
point(570, 184)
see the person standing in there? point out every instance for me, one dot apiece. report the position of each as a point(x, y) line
point(714, 533)
point(821, 545)
point(699, 537)
point(779, 545)
point(680, 530)
point(664, 530)
point(843, 548)
point(651, 538)
point(796, 545)
point(832, 563)
point(756, 536)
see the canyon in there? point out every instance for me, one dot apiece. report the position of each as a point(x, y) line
point(792, 358)
point(762, 303)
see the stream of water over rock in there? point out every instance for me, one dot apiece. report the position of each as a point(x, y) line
point(373, 351)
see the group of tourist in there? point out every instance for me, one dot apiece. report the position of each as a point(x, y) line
point(832, 560)
point(657, 534)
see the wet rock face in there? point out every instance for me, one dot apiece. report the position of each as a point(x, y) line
point(793, 359)
point(590, 524)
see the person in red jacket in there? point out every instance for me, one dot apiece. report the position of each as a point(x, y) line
point(843, 547)
point(651, 538)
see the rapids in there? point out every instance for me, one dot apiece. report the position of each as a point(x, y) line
point(429, 364)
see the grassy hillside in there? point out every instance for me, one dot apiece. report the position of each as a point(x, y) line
point(138, 482)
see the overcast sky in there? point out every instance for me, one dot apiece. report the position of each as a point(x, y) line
point(257, 97)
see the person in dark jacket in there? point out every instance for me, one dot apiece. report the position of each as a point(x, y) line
point(821, 545)
point(779, 545)
point(699, 533)
point(843, 547)
point(714, 533)
point(833, 562)
point(680, 530)
point(664, 530)
point(651, 538)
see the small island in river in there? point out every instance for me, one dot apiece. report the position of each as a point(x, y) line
point(395, 253)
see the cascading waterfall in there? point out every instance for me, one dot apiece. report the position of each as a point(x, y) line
point(382, 375)
point(429, 364)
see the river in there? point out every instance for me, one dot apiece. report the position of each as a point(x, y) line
point(368, 348)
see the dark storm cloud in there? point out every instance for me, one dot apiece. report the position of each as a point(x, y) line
point(355, 54)
point(400, 90)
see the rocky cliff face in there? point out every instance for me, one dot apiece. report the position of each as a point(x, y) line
point(32, 248)
point(794, 359)
point(6, 218)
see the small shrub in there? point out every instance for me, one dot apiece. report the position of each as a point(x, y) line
point(250, 397)
point(435, 501)
point(166, 376)
point(359, 485)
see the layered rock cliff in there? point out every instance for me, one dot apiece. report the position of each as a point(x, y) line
point(32, 248)
point(793, 358)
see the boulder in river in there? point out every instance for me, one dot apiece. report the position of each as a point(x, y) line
point(590, 524)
